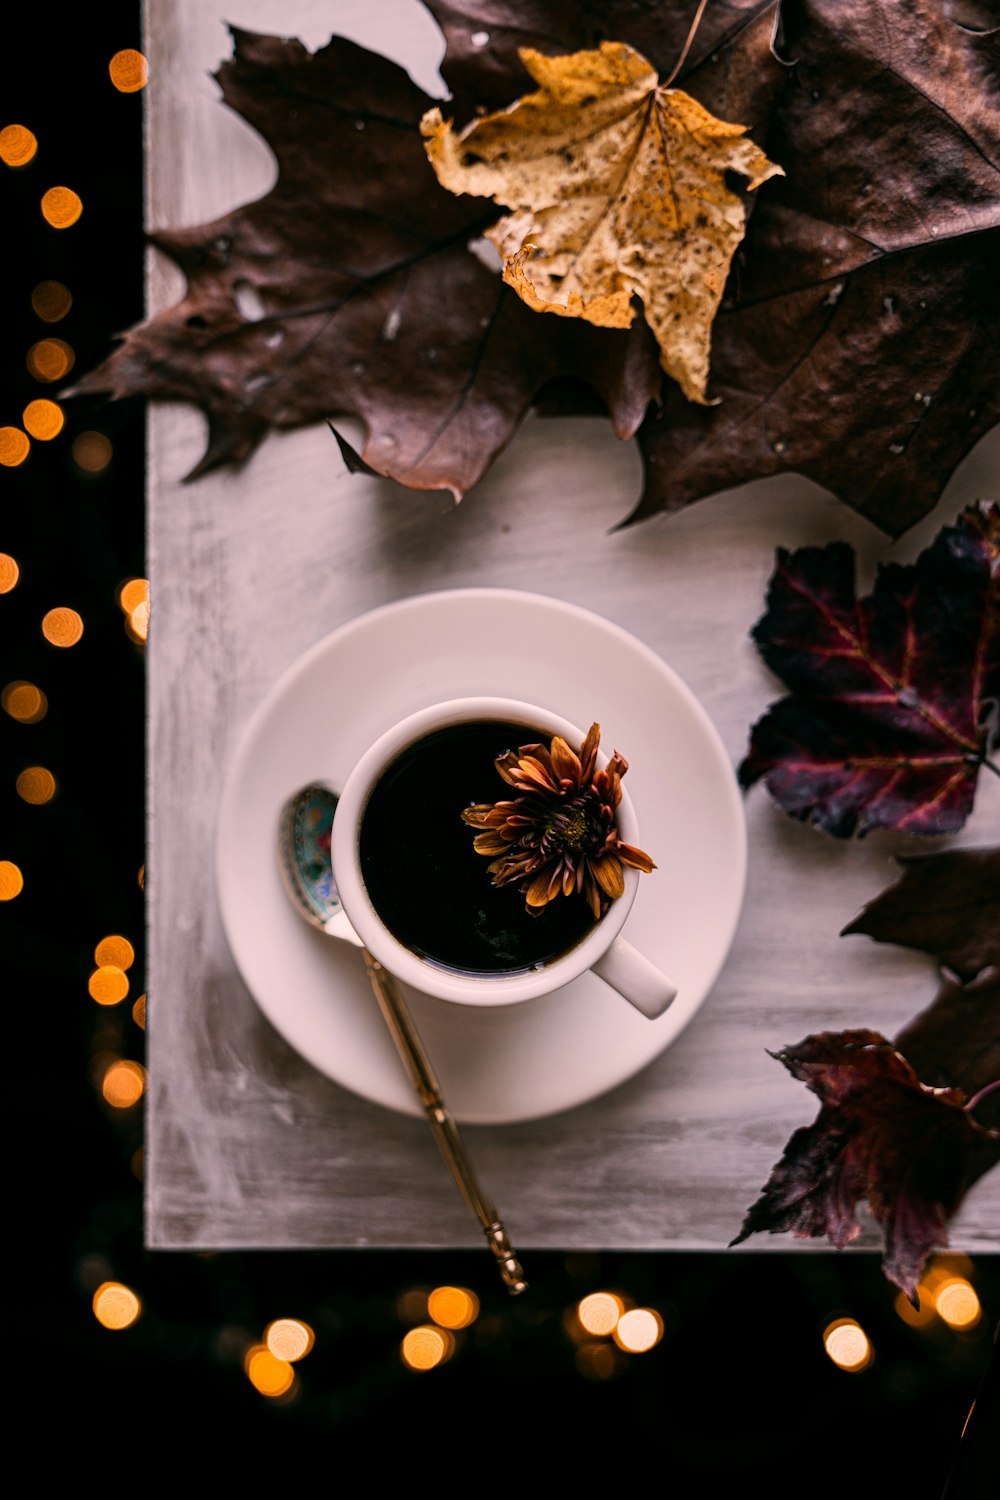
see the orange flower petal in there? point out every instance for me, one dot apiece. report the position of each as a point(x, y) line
point(566, 762)
point(588, 753)
point(540, 892)
point(637, 858)
point(506, 765)
point(532, 770)
point(489, 843)
point(607, 872)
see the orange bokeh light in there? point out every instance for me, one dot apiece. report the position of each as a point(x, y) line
point(50, 359)
point(116, 1306)
point(129, 71)
point(123, 1083)
point(133, 592)
point(11, 880)
point(425, 1347)
point(14, 447)
point(24, 702)
point(61, 207)
point(9, 572)
point(43, 419)
point(92, 452)
point(62, 627)
point(108, 985)
point(51, 301)
point(116, 950)
point(453, 1306)
point(17, 145)
point(266, 1373)
point(36, 784)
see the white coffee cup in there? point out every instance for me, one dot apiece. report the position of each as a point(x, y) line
point(601, 949)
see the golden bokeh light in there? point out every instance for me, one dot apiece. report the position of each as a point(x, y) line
point(61, 207)
point(24, 702)
point(129, 71)
point(116, 950)
point(92, 452)
point(139, 1012)
point(9, 572)
point(36, 785)
point(141, 877)
point(17, 145)
point(116, 1306)
point(43, 419)
point(14, 447)
point(638, 1330)
point(50, 359)
point(453, 1306)
point(599, 1313)
point(11, 880)
point(108, 985)
point(51, 301)
point(425, 1347)
point(138, 1163)
point(123, 1083)
point(847, 1344)
point(62, 627)
point(289, 1339)
point(266, 1373)
point(957, 1303)
point(137, 623)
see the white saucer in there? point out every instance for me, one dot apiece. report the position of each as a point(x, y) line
point(538, 1057)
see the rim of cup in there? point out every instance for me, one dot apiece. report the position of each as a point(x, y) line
point(421, 973)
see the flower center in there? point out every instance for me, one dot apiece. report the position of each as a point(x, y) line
point(570, 828)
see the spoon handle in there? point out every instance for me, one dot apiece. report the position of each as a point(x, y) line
point(422, 1075)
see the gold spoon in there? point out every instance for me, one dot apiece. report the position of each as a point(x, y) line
point(304, 859)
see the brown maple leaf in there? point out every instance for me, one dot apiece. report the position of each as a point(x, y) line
point(617, 189)
point(855, 341)
point(372, 302)
point(894, 697)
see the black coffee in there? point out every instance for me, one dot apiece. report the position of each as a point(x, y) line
point(425, 880)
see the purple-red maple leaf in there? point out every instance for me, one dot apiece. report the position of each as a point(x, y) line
point(907, 1125)
point(893, 703)
point(881, 1135)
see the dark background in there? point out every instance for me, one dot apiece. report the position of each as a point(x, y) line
point(738, 1392)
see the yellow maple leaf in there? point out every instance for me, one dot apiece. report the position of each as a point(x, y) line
point(617, 189)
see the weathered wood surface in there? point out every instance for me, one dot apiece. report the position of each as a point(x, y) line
point(248, 1146)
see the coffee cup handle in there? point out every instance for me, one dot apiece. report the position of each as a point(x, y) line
point(640, 982)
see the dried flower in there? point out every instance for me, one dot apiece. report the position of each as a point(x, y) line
point(559, 835)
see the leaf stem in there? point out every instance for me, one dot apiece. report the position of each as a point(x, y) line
point(992, 766)
point(970, 1104)
point(687, 45)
